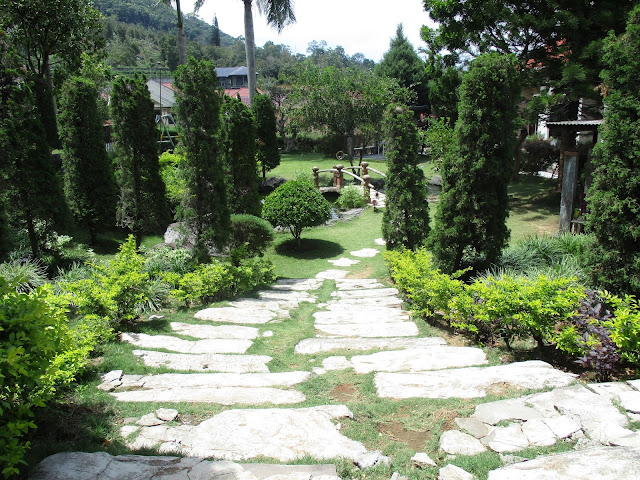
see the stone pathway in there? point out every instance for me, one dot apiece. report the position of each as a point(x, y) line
point(362, 315)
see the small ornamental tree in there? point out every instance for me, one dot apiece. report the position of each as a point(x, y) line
point(406, 216)
point(88, 176)
point(205, 207)
point(473, 208)
point(265, 114)
point(239, 134)
point(295, 205)
point(614, 197)
point(142, 206)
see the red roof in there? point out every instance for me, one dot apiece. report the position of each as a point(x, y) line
point(243, 92)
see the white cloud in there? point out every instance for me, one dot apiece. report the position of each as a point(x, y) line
point(359, 26)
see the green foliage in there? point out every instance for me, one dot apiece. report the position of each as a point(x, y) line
point(351, 196)
point(142, 206)
point(614, 197)
point(265, 115)
point(403, 63)
point(117, 290)
point(624, 326)
point(28, 182)
point(438, 139)
point(295, 205)
point(219, 280)
point(34, 333)
point(406, 216)
point(539, 155)
point(173, 178)
point(88, 176)
point(205, 208)
point(239, 137)
point(25, 275)
point(253, 233)
point(166, 259)
point(473, 207)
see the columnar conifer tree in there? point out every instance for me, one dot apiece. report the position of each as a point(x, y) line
point(239, 133)
point(28, 182)
point(265, 114)
point(406, 216)
point(473, 208)
point(614, 197)
point(88, 176)
point(205, 208)
point(142, 206)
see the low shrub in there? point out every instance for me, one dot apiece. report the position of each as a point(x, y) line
point(251, 232)
point(166, 259)
point(220, 280)
point(24, 274)
point(351, 196)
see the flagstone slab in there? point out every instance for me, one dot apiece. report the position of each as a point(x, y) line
point(167, 342)
point(455, 442)
point(433, 358)
point(453, 472)
point(358, 283)
point(332, 274)
point(242, 434)
point(605, 463)
point(294, 296)
point(278, 306)
point(213, 380)
point(506, 439)
point(215, 331)
point(538, 433)
point(365, 252)
point(211, 362)
point(343, 262)
point(219, 395)
point(249, 316)
point(391, 329)
point(321, 345)
point(380, 241)
point(470, 382)
point(339, 314)
point(388, 301)
point(511, 409)
point(366, 293)
point(635, 384)
point(91, 466)
point(305, 284)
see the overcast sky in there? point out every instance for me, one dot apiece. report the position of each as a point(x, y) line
point(359, 26)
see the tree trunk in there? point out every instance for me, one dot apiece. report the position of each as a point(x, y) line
point(182, 39)
point(33, 238)
point(517, 155)
point(250, 48)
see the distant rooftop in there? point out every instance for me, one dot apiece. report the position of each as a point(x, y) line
point(576, 123)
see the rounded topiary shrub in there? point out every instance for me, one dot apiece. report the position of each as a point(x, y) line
point(295, 205)
point(254, 232)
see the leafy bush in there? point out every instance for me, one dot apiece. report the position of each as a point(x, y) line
point(539, 155)
point(117, 290)
point(25, 274)
point(218, 280)
point(351, 196)
point(296, 205)
point(254, 232)
point(34, 332)
point(166, 259)
point(173, 177)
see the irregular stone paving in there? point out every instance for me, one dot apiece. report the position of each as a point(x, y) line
point(361, 315)
point(91, 466)
point(470, 382)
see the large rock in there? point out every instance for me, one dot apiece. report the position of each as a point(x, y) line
point(470, 382)
point(215, 331)
point(452, 472)
point(455, 442)
point(211, 362)
point(283, 434)
point(318, 345)
point(606, 463)
point(506, 439)
point(166, 342)
point(511, 409)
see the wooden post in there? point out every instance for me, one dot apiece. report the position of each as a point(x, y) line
point(335, 175)
point(316, 176)
point(367, 187)
point(569, 180)
point(365, 170)
point(340, 176)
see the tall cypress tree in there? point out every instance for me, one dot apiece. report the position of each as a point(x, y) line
point(205, 208)
point(614, 197)
point(28, 182)
point(239, 133)
point(406, 216)
point(471, 218)
point(215, 32)
point(88, 176)
point(142, 206)
point(268, 154)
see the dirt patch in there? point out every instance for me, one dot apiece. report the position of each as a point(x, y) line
point(446, 417)
point(366, 272)
point(344, 392)
point(413, 438)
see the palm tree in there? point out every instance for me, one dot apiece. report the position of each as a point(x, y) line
point(279, 14)
point(182, 41)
